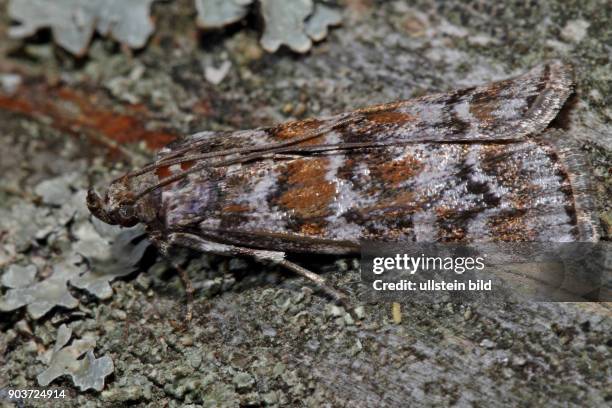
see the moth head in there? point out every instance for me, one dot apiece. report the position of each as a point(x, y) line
point(117, 207)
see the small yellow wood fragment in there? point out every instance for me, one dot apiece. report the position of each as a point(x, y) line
point(396, 312)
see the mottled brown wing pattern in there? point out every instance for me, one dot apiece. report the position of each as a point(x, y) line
point(445, 192)
point(505, 110)
point(459, 166)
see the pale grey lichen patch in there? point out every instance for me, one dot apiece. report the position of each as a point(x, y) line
point(26, 223)
point(108, 262)
point(285, 24)
point(322, 18)
point(73, 22)
point(92, 255)
point(294, 23)
point(43, 296)
point(74, 209)
point(87, 373)
point(18, 276)
point(56, 191)
point(219, 13)
point(92, 371)
point(127, 22)
point(89, 242)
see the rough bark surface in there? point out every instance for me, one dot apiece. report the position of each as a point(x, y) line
point(259, 336)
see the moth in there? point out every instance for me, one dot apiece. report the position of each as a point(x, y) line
point(470, 165)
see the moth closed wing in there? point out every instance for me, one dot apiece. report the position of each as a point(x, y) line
point(474, 164)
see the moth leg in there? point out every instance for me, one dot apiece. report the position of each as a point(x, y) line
point(184, 279)
point(275, 257)
point(188, 291)
point(317, 279)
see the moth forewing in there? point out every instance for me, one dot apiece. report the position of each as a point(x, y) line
point(466, 165)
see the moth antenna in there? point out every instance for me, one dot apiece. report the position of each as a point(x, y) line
point(254, 155)
point(179, 160)
point(156, 164)
point(182, 150)
point(167, 160)
point(170, 180)
point(258, 152)
point(288, 149)
point(278, 148)
point(184, 173)
point(314, 133)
